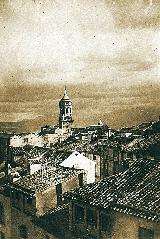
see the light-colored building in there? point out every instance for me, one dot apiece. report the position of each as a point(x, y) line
point(49, 135)
point(79, 161)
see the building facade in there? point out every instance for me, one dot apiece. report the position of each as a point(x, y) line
point(65, 115)
point(118, 207)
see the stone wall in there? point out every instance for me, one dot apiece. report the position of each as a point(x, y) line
point(33, 231)
point(121, 226)
point(127, 226)
point(6, 226)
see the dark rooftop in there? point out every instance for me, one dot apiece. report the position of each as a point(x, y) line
point(45, 178)
point(134, 192)
point(142, 143)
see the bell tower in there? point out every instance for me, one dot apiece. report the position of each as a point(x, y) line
point(65, 115)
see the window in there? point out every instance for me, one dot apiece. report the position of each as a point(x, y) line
point(17, 196)
point(80, 177)
point(115, 154)
point(23, 231)
point(91, 217)
point(1, 214)
point(145, 233)
point(94, 157)
point(59, 193)
point(29, 200)
point(115, 166)
point(79, 214)
point(25, 140)
point(2, 235)
point(106, 223)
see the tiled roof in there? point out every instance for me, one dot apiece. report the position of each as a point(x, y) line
point(135, 192)
point(35, 152)
point(43, 179)
point(56, 209)
point(142, 143)
point(45, 155)
point(17, 151)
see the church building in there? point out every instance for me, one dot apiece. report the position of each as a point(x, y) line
point(49, 134)
point(65, 115)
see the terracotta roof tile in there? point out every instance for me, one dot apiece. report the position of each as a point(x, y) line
point(135, 192)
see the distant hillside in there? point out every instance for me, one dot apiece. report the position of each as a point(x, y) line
point(28, 107)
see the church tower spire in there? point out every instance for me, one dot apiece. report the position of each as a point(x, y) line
point(65, 115)
point(65, 90)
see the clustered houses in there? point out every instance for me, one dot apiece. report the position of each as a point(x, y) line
point(34, 196)
point(50, 183)
point(120, 206)
point(110, 156)
point(47, 136)
point(120, 168)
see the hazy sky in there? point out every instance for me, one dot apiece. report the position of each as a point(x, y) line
point(115, 43)
point(80, 40)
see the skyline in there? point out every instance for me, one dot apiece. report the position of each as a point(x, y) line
point(38, 106)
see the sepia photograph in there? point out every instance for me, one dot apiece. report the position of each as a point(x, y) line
point(79, 119)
